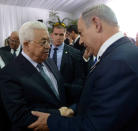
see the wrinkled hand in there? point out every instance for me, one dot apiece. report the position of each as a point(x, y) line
point(87, 53)
point(65, 111)
point(41, 123)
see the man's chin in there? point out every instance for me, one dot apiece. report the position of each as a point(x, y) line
point(44, 57)
point(59, 43)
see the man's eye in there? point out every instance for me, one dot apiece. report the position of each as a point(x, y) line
point(61, 34)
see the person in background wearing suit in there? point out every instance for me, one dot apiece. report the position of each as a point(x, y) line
point(68, 40)
point(30, 82)
point(72, 30)
point(68, 61)
point(73, 33)
point(109, 101)
point(14, 44)
point(8, 53)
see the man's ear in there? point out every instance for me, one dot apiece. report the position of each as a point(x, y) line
point(26, 43)
point(97, 23)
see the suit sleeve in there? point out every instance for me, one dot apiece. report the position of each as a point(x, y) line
point(14, 102)
point(74, 89)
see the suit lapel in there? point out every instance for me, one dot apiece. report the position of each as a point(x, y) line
point(32, 74)
point(64, 57)
point(109, 50)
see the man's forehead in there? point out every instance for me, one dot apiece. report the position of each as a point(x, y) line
point(59, 30)
point(14, 35)
point(41, 34)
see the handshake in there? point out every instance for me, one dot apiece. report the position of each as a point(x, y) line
point(41, 123)
point(65, 111)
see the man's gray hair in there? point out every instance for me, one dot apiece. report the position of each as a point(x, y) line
point(103, 12)
point(26, 32)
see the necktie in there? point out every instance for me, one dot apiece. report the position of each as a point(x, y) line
point(55, 55)
point(95, 60)
point(14, 53)
point(48, 80)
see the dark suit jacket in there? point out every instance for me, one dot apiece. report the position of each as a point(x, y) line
point(72, 70)
point(23, 89)
point(6, 56)
point(109, 101)
point(78, 46)
point(67, 41)
point(5, 48)
point(5, 53)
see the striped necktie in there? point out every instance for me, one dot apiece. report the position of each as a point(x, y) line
point(48, 80)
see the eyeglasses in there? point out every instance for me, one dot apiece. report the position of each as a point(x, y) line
point(13, 41)
point(62, 24)
point(43, 42)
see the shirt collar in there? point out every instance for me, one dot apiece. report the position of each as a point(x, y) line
point(60, 47)
point(76, 38)
point(18, 49)
point(109, 42)
point(29, 59)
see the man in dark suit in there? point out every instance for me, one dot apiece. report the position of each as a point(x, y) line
point(8, 53)
point(68, 60)
point(72, 30)
point(31, 83)
point(14, 44)
point(109, 98)
point(73, 33)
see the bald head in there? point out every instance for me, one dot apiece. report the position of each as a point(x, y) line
point(15, 34)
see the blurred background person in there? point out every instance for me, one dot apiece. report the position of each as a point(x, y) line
point(68, 60)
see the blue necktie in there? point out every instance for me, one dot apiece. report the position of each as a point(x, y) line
point(95, 60)
point(48, 80)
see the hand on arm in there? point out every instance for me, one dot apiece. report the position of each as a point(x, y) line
point(41, 123)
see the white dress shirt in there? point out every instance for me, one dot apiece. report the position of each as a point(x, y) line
point(76, 39)
point(17, 50)
point(109, 42)
point(59, 54)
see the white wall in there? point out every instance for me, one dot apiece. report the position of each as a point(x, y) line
point(12, 17)
point(126, 12)
point(88, 4)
